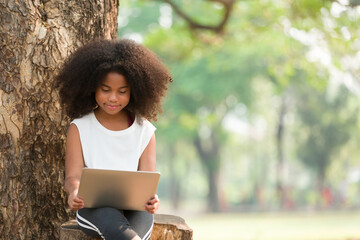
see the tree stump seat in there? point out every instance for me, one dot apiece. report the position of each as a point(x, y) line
point(166, 227)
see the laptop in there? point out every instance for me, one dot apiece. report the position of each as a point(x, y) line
point(127, 190)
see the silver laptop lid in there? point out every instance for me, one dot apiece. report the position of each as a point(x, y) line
point(128, 190)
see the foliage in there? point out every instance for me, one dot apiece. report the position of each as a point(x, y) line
point(284, 43)
point(324, 133)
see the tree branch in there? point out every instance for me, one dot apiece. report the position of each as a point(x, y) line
point(219, 28)
point(228, 6)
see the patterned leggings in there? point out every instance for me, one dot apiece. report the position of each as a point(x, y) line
point(110, 223)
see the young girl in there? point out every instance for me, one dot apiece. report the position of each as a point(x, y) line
point(111, 89)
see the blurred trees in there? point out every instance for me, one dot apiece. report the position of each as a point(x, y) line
point(327, 123)
point(224, 55)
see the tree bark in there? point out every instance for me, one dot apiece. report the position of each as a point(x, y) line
point(35, 38)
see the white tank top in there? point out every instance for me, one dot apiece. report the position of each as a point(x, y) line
point(116, 150)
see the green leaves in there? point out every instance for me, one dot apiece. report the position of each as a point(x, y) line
point(326, 124)
point(268, 49)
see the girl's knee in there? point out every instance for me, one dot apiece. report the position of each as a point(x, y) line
point(115, 224)
point(119, 232)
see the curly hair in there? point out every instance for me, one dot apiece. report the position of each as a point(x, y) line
point(87, 67)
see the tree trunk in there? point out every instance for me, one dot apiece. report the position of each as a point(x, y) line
point(208, 150)
point(35, 37)
point(320, 186)
point(174, 180)
point(280, 188)
point(213, 195)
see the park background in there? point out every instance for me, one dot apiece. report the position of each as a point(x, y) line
point(259, 136)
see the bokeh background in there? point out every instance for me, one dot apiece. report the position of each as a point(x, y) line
point(260, 132)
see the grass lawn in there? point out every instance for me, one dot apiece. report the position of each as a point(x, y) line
point(276, 226)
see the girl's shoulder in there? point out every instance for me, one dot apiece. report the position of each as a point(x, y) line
point(84, 119)
point(145, 124)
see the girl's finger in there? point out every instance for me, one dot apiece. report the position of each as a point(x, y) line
point(77, 207)
point(149, 207)
point(153, 201)
point(79, 201)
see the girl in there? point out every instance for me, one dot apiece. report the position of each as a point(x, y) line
point(111, 89)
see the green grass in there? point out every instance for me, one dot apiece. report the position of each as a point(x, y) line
point(276, 226)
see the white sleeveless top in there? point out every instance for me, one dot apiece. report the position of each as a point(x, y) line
point(115, 150)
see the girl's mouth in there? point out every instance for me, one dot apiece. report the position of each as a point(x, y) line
point(112, 107)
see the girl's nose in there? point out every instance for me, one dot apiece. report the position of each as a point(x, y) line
point(112, 97)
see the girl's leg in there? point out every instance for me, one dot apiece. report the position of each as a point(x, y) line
point(107, 223)
point(141, 221)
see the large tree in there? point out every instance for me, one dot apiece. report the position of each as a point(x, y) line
point(35, 38)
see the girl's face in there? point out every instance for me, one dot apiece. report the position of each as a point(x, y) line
point(113, 94)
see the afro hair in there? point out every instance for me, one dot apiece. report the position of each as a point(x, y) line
point(86, 68)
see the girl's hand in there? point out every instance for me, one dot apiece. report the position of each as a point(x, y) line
point(152, 205)
point(75, 202)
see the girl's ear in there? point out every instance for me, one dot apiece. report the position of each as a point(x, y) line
point(93, 99)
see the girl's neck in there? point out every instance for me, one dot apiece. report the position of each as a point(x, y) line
point(103, 115)
point(115, 122)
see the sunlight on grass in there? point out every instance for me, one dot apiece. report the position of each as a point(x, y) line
point(277, 226)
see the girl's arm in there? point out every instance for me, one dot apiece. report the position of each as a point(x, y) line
point(147, 162)
point(74, 163)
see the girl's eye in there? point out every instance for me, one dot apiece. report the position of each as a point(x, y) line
point(105, 90)
point(122, 92)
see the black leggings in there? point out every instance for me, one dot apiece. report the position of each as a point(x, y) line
point(111, 223)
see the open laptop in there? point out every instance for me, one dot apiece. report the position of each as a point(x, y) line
point(128, 190)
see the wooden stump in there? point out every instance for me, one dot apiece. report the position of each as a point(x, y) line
point(166, 227)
